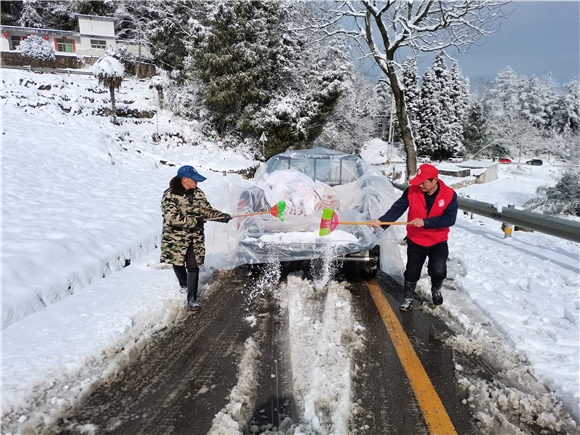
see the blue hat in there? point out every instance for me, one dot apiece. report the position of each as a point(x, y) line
point(190, 172)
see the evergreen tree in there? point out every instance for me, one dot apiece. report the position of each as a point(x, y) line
point(442, 110)
point(296, 115)
point(236, 55)
point(97, 8)
point(432, 108)
point(563, 198)
point(476, 130)
point(351, 123)
point(457, 111)
point(169, 33)
point(444, 123)
point(533, 102)
point(504, 93)
point(264, 73)
point(31, 14)
point(384, 107)
point(10, 12)
point(412, 92)
point(571, 108)
point(56, 14)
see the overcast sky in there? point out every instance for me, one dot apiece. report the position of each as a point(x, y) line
point(537, 38)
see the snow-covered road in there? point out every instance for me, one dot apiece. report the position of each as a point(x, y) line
point(70, 219)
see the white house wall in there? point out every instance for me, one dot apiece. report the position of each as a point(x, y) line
point(94, 26)
point(87, 50)
point(91, 28)
point(5, 45)
point(9, 32)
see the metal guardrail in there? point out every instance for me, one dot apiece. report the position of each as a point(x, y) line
point(562, 228)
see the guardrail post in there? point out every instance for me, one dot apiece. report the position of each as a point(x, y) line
point(508, 228)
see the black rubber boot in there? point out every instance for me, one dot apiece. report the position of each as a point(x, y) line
point(436, 293)
point(192, 283)
point(407, 304)
point(181, 275)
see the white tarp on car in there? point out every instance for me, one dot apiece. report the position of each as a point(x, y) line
point(302, 194)
point(354, 189)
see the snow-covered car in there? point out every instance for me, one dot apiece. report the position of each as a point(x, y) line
point(455, 159)
point(310, 181)
point(424, 159)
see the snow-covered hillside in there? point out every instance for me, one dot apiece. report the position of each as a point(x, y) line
point(80, 201)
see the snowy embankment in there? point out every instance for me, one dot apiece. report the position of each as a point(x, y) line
point(80, 201)
point(81, 195)
point(70, 214)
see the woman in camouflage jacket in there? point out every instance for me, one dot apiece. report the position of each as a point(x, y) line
point(185, 209)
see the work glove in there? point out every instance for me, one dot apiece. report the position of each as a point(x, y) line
point(200, 221)
point(226, 218)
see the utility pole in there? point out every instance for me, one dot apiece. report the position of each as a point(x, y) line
point(263, 140)
point(391, 133)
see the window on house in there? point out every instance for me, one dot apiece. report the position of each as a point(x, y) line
point(98, 43)
point(65, 45)
point(15, 40)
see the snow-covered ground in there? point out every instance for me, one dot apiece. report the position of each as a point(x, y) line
point(80, 201)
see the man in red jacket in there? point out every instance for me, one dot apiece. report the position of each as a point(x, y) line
point(432, 210)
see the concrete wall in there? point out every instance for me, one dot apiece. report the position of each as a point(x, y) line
point(490, 174)
point(142, 71)
point(487, 170)
point(13, 58)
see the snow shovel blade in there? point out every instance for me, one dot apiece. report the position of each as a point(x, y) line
point(328, 223)
point(278, 210)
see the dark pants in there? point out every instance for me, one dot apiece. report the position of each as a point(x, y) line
point(190, 264)
point(437, 266)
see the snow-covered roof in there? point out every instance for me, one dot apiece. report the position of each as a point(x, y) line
point(88, 35)
point(95, 17)
point(34, 29)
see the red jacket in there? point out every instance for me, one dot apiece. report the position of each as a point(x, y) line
point(418, 209)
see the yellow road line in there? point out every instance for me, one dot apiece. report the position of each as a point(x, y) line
point(434, 412)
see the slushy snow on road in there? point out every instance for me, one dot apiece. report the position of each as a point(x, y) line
point(81, 279)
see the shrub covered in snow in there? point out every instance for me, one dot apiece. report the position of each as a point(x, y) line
point(109, 68)
point(564, 197)
point(36, 47)
point(110, 73)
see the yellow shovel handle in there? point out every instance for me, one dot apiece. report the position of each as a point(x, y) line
point(251, 214)
point(240, 215)
point(368, 223)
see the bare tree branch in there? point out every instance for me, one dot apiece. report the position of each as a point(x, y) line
point(425, 26)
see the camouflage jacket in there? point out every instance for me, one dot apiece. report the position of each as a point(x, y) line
point(181, 208)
